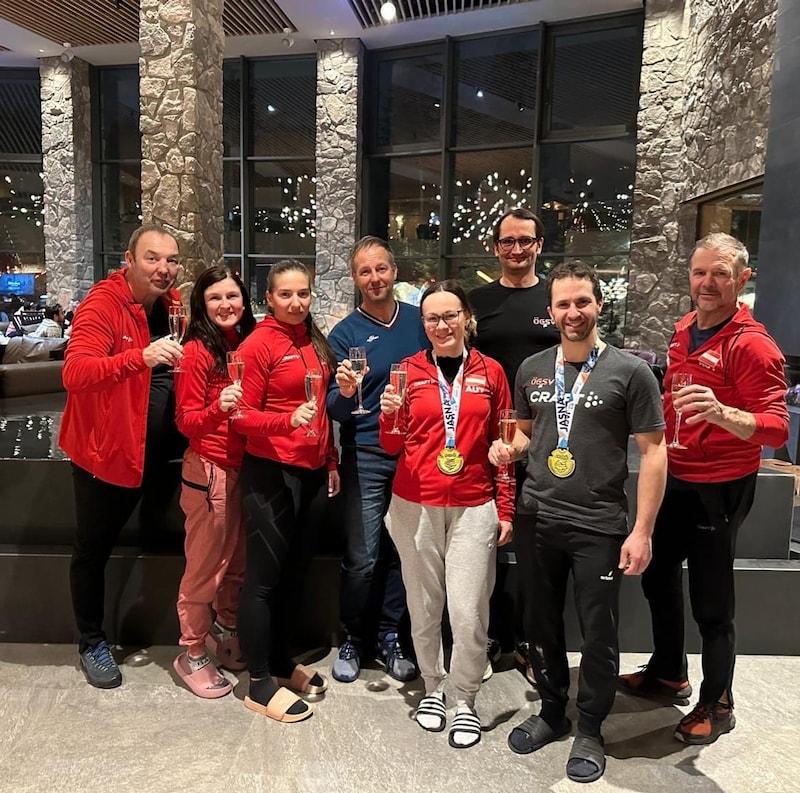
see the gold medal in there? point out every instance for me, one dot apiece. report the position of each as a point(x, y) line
point(561, 463)
point(450, 461)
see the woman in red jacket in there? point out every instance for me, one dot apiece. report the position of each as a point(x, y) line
point(220, 316)
point(449, 509)
point(289, 459)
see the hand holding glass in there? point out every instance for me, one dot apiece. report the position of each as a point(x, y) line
point(508, 429)
point(235, 372)
point(358, 363)
point(313, 383)
point(397, 380)
point(680, 380)
point(177, 327)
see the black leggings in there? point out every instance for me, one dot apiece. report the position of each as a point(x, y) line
point(276, 501)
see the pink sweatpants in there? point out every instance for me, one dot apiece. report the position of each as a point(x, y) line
point(214, 547)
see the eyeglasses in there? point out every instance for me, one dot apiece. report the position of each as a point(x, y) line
point(450, 318)
point(507, 243)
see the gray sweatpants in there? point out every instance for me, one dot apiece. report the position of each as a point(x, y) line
point(447, 553)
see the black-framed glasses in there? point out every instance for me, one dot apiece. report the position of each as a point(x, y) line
point(449, 318)
point(506, 244)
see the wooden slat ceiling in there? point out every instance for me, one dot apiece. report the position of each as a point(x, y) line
point(88, 22)
point(368, 12)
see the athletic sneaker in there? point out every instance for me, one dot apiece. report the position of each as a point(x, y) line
point(641, 684)
point(99, 666)
point(347, 666)
point(397, 665)
point(492, 654)
point(706, 723)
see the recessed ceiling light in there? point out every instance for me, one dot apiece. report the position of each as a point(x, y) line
point(388, 12)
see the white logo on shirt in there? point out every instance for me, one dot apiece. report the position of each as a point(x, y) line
point(290, 357)
point(372, 338)
point(127, 338)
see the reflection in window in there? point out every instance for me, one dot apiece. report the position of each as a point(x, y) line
point(119, 114)
point(232, 222)
point(21, 217)
point(284, 207)
point(587, 194)
point(409, 100)
point(121, 203)
point(496, 89)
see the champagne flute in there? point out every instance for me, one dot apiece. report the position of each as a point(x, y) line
point(358, 362)
point(508, 429)
point(397, 379)
point(313, 381)
point(680, 380)
point(177, 327)
point(235, 372)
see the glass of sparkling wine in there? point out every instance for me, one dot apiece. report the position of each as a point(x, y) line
point(508, 429)
point(358, 361)
point(235, 372)
point(313, 383)
point(397, 379)
point(680, 380)
point(177, 327)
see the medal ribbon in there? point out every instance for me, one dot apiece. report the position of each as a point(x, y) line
point(451, 401)
point(566, 403)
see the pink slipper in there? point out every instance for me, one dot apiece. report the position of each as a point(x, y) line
point(205, 682)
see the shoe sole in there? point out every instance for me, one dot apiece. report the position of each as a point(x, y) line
point(704, 740)
point(677, 698)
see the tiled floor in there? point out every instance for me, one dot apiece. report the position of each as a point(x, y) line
point(58, 735)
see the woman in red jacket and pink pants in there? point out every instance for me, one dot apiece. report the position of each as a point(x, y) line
point(220, 318)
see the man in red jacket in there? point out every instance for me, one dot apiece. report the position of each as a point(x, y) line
point(725, 400)
point(119, 419)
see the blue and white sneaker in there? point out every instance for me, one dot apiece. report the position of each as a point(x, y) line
point(347, 666)
point(394, 659)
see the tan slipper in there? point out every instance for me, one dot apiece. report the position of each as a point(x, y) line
point(300, 681)
point(278, 706)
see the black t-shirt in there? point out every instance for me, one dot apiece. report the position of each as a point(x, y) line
point(513, 323)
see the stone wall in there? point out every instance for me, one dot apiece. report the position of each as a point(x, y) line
point(338, 175)
point(67, 168)
point(180, 96)
point(702, 126)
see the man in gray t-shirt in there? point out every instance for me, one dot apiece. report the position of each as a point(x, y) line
point(578, 404)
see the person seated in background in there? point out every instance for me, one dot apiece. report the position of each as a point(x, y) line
point(51, 327)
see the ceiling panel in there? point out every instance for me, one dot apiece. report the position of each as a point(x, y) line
point(369, 11)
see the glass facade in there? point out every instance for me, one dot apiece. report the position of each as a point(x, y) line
point(543, 118)
point(21, 191)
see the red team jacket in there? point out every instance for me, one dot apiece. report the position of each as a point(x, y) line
point(418, 479)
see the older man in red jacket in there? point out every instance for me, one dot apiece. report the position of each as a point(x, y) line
point(725, 400)
point(118, 420)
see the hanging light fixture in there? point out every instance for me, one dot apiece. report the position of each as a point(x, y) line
point(388, 11)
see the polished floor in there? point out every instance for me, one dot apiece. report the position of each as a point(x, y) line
point(151, 735)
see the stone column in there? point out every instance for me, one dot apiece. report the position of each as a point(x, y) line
point(67, 168)
point(338, 174)
point(180, 97)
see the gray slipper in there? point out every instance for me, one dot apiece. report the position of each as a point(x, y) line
point(587, 759)
point(534, 733)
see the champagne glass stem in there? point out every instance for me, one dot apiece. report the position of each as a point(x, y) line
point(395, 430)
point(675, 441)
point(360, 403)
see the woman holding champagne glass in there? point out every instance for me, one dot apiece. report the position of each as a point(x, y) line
point(220, 318)
point(289, 459)
point(450, 508)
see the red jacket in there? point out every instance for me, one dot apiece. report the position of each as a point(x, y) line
point(484, 394)
point(198, 414)
point(276, 357)
point(108, 383)
point(744, 368)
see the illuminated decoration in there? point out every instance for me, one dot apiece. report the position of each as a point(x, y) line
point(296, 214)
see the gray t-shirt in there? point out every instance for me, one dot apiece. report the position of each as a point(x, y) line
point(620, 397)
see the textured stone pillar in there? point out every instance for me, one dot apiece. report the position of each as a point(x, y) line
point(180, 96)
point(338, 174)
point(702, 126)
point(67, 168)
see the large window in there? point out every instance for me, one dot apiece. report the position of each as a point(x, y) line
point(539, 117)
point(21, 192)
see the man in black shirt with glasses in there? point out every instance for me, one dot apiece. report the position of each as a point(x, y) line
point(513, 323)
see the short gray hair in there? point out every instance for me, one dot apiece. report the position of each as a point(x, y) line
point(727, 245)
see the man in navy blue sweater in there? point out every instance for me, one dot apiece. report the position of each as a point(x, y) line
point(372, 596)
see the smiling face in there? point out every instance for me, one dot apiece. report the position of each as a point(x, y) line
point(574, 308)
point(518, 261)
point(445, 321)
point(374, 276)
point(715, 284)
point(224, 303)
point(290, 297)
point(152, 266)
